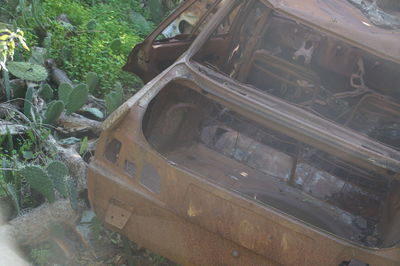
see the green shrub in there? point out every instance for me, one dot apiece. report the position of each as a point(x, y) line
point(90, 49)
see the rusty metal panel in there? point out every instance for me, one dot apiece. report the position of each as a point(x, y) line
point(300, 166)
point(245, 228)
point(345, 20)
point(197, 209)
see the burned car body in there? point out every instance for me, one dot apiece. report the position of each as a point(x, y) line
point(275, 139)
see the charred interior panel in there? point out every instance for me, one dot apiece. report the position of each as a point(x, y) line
point(269, 167)
point(315, 71)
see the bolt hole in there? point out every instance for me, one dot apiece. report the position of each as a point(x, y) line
point(235, 253)
point(112, 217)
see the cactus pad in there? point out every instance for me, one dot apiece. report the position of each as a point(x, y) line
point(27, 71)
point(28, 102)
point(46, 92)
point(39, 181)
point(114, 99)
point(77, 98)
point(64, 91)
point(53, 112)
point(58, 172)
point(92, 81)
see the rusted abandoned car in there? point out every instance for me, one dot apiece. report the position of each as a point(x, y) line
point(274, 139)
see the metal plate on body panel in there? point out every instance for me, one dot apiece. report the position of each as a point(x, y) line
point(117, 216)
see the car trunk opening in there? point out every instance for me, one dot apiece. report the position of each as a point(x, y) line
point(271, 168)
point(314, 70)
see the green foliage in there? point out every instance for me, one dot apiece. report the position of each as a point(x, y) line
point(77, 98)
point(156, 10)
point(116, 45)
point(114, 99)
point(64, 90)
point(144, 26)
point(73, 98)
point(75, 11)
point(57, 169)
point(84, 146)
point(8, 41)
point(27, 71)
point(10, 141)
point(47, 41)
point(38, 56)
point(28, 102)
point(46, 181)
point(66, 53)
point(46, 92)
point(13, 195)
point(39, 181)
point(92, 81)
point(18, 148)
point(53, 112)
point(58, 172)
point(91, 25)
point(7, 174)
point(40, 255)
point(91, 50)
point(96, 227)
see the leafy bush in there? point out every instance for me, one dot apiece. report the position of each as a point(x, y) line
point(89, 41)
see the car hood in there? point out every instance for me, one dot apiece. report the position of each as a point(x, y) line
point(343, 19)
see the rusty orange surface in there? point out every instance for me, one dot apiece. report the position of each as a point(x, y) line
point(273, 140)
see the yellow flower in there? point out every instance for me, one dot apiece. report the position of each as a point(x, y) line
point(8, 41)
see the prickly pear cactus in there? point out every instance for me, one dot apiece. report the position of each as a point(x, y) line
point(64, 91)
point(39, 181)
point(114, 99)
point(14, 196)
point(77, 98)
point(28, 102)
point(46, 92)
point(27, 71)
point(58, 172)
point(53, 112)
point(92, 81)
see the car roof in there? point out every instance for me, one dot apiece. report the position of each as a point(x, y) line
point(341, 18)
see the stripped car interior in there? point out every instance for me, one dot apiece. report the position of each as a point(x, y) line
point(275, 139)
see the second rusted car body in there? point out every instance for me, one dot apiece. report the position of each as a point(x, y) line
point(273, 140)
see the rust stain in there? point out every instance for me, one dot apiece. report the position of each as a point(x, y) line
point(193, 211)
point(274, 140)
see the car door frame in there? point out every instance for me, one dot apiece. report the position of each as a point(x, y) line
point(140, 60)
